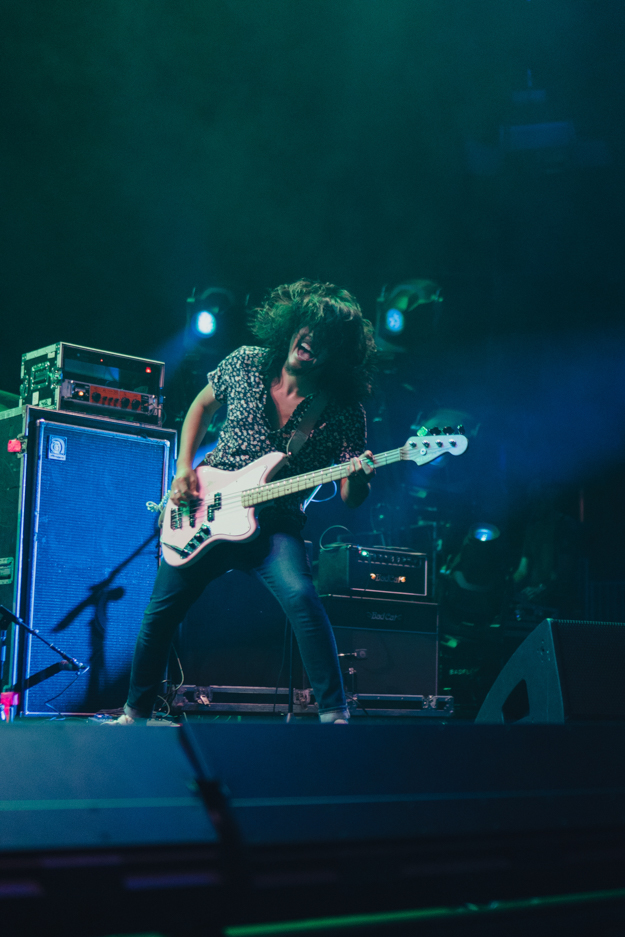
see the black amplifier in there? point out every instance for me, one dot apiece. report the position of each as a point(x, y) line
point(72, 377)
point(347, 569)
point(386, 647)
point(389, 614)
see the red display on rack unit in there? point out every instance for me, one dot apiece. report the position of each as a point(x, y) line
point(72, 377)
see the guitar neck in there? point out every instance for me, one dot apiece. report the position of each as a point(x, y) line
point(290, 486)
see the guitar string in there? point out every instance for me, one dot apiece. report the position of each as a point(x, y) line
point(297, 483)
point(308, 480)
point(262, 494)
point(332, 473)
point(287, 486)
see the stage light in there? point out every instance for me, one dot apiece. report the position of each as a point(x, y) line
point(204, 323)
point(394, 321)
point(205, 314)
point(398, 325)
point(484, 532)
point(472, 582)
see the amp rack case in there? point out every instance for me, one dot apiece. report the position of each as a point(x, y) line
point(87, 380)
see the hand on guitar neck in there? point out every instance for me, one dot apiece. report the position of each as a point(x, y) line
point(355, 488)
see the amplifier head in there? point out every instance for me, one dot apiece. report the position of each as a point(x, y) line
point(349, 569)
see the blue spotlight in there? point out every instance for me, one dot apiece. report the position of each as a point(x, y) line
point(394, 320)
point(484, 532)
point(211, 304)
point(204, 323)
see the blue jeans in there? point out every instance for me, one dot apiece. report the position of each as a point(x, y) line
point(279, 560)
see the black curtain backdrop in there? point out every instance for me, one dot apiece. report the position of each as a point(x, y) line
point(153, 146)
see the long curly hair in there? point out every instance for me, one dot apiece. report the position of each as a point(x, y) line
point(338, 325)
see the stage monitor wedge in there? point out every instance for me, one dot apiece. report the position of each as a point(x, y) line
point(563, 671)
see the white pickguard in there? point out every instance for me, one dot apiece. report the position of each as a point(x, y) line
point(231, 521)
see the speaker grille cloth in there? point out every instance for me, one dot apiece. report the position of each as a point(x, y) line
point(591, 655)
point(94, 560)
point(400, 662)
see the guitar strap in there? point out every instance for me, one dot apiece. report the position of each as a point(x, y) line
point(307, 423)
point(298, 436)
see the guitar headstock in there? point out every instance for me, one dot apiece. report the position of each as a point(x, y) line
point(422, 449)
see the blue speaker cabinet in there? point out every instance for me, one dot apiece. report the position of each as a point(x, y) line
point(86, 553)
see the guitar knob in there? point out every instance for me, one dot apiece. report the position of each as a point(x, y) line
point(460, 430)
point(448, 430)
point(435, 431)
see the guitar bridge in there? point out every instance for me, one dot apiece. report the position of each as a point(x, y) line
point(178, 513)
point(175, 519)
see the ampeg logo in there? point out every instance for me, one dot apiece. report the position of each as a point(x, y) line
point(57, 448)
point(383, 616)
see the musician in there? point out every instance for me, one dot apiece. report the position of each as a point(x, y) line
point(316, 352)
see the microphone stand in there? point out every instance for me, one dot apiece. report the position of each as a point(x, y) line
point(11, 695)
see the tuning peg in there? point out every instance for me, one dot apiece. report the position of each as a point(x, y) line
point(460, 430)
point(435, 431)
point(448, 430)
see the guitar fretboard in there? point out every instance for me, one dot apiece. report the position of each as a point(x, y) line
point(290, 486)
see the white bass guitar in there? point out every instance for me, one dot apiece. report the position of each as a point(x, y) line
point(226, 506)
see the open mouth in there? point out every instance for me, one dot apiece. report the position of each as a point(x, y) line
point(304, 351)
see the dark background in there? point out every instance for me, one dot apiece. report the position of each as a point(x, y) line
point(154, 146)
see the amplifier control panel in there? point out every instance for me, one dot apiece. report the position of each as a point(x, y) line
point(96, 399)
point(348, 569)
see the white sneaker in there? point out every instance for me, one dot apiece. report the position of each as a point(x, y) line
point(125, 720)
point(336, 716)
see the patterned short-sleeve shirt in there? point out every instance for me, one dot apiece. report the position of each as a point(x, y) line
point(339, 434)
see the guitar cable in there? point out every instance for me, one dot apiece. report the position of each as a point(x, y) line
point(170, 689)
point(332, 527)
point(59, 715)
